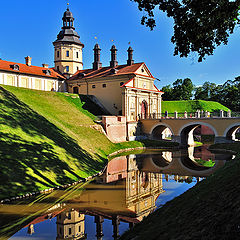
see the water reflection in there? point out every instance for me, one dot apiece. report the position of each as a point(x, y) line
point(126, 192)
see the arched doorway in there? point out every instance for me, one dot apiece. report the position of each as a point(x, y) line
point(233, 133)
point(75, 90)
point(144, 109)
point(161, 132)
point(189, 133)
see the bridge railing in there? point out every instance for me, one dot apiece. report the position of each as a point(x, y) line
point(198, 114)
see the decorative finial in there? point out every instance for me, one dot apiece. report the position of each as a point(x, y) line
point(68, 6)
point(112, 41)
point(129, 43)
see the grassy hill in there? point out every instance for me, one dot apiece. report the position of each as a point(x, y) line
point(192, 106)
point(47, 139)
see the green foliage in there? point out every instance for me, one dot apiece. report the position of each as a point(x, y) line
point(227, 94)
point(191, 106)
point(199, 26)
point(47, 139)
point(182, 90)
point(209, 163)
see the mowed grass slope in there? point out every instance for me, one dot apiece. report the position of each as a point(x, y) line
point(47, 139)
point(192, 106)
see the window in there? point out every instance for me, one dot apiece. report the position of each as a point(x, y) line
point(93, 86)
point(58, 54)
point(58, 68)
point(121, 83)
point(104, 85)
point(77, 68)
point(67, 68)
point(142, 70)
point(77, 54)
point(79, 229)
point(69, 231)
point(15, 67)
point(67, 53)
point(69, 215)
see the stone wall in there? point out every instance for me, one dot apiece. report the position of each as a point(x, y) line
point(115, 128)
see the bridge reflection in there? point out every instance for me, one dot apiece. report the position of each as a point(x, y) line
point(126, 192)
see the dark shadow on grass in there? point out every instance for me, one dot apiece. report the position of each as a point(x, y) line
point(17, 154)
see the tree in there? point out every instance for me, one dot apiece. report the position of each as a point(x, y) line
point(206, 91)
point(168, 93)
point(227, 94)
point(181, 90)
point(199, 25)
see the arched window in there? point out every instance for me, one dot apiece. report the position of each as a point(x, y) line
point(77, 54)
point(104, 85)
point(67, 68)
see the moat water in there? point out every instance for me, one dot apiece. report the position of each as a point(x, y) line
point(131, 188)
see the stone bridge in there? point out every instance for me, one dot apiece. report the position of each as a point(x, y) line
point(224, 128)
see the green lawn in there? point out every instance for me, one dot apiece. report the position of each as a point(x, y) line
point(47, 139)
point(191, 106)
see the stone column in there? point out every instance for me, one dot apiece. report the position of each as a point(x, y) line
point(229, 114)
point(198, 114)
point(99, 228)
point(221, 114)
point(115, 223)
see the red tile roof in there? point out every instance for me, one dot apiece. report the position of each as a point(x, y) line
point(106, 71)
point(31, 70)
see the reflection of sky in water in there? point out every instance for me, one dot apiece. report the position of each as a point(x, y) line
point(48, 229)
point(172, 190)
point(44, 230)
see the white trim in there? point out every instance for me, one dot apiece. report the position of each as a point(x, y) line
point(198, 123)
point(229, 127)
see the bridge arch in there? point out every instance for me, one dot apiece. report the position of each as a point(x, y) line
point(157, 130)
point(186, 132)
point(231, 130)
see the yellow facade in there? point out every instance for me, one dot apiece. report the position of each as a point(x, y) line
point(122, 94)
point(10, 80)
point(24, 82)
point(30, 81)
point(68, 58)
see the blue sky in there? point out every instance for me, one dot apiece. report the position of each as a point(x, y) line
point(30, 27)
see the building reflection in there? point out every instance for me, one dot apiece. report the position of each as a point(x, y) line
point(126, 192)
point(71, 225)
point(122, 194)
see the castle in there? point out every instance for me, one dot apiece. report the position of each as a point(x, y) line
point(127, 90)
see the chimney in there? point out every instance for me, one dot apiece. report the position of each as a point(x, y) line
point(96, 64)
point(130, 60)
point(45, 65)
point(28, 60)
point(113, 62)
